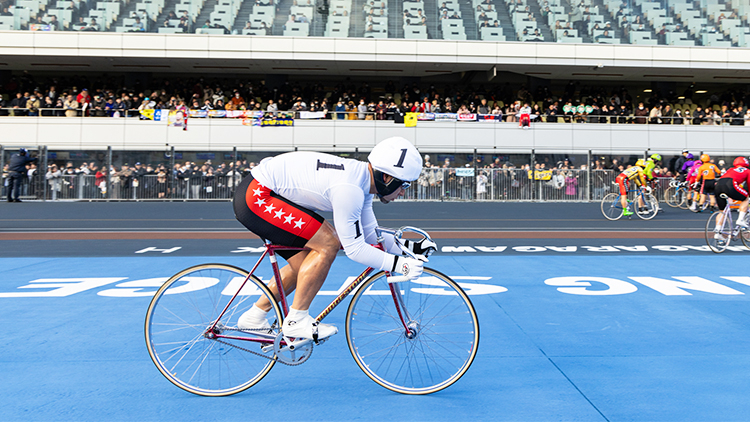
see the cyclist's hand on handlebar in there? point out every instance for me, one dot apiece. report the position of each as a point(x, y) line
point(409, 267)
point(694, 186)
point(424, 247)
point(647, 189)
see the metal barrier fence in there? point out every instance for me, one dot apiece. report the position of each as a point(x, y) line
point(435, 184)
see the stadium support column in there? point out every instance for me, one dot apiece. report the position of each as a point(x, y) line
point(2, 157)
point(109, 172)
point(588, 177)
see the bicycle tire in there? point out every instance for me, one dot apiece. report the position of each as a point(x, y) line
point(651, 204)
point(725, 232)
point(431, 360)
point(611, 208)
point(670, 197)
point(177, 321)
point(745, 236)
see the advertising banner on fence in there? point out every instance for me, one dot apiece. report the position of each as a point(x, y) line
point(177, 118)
point(446, 117)
point(541, 174)
point(312, 114)
point(465, 172)
point(426, 116)
point(490, 117)
point(276, 122)
point(155, 115)
point(410, 119)
point(467, 117)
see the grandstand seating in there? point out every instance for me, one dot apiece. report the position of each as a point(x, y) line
point(719, 23)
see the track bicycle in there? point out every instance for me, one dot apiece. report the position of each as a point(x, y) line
point(613, 210)
point(411, 336)
point(720, 230)
point(676, 194)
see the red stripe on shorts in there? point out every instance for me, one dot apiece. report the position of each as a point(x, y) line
point(279, 213)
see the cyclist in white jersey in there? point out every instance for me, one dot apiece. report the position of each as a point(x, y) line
point(277, 200)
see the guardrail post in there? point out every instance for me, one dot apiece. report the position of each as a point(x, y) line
point(109, 173)
point(172, 175)
point(589, 185)
point(43, 171)
point(472, 183)
point(532, 174)
point(236, 158)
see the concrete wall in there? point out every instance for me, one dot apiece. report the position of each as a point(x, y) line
point(339, 136)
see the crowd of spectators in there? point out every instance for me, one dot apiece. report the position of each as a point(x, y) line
point(24, 95)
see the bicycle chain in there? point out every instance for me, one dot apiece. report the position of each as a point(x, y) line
point(273, 358)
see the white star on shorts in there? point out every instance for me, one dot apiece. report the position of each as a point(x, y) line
point(270, 208)
point(289, 219)
point(257, 192)
point(279, 213)
point(298, 224)
point(260, 202)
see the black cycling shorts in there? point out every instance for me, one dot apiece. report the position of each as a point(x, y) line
point(273, 217)
point(726, 186)
point(707, 187)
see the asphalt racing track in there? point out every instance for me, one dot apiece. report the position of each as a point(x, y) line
point(582, 319)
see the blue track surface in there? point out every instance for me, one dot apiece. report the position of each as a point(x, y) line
point(669, 350)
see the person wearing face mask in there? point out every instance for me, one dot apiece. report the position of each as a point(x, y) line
point(362, 110)
point(641, 114)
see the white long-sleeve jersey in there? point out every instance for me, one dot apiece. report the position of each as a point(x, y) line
point(324, 182)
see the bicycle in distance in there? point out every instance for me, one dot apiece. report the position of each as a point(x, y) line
point(411, 336)
point(720, 231)
point(646, 208)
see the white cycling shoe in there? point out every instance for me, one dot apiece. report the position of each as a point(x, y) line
point(304, 328)
point(252, 320)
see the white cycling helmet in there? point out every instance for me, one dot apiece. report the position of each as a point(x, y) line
point(396, 157)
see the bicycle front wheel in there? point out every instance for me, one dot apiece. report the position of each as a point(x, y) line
point(718, 232)
point(671, 197)
point(200, 360)
point(439, 346)
point(611, 207)
point(650, 207)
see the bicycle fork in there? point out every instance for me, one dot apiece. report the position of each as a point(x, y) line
point(411, 328)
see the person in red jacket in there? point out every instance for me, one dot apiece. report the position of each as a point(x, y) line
point(734, 184)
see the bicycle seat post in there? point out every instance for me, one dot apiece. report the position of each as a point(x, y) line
point(277, 277)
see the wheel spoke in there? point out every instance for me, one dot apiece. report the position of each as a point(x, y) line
point(178, 340)
point(441, 348)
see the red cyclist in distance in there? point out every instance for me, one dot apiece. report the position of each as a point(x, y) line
point(277, 200)
point(734, 183)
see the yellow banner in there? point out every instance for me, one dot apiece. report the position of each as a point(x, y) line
point(410, 119)
point(541, 174)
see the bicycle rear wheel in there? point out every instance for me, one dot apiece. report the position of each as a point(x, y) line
point(650, 207)
point(611, 207)
point(192, 357)
point(719, 235)
point(438, 349)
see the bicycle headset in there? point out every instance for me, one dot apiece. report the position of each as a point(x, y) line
point(398, 158)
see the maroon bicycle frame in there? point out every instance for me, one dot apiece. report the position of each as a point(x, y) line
point(270, 250)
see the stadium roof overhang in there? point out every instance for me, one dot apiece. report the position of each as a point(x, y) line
point(194, 54)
